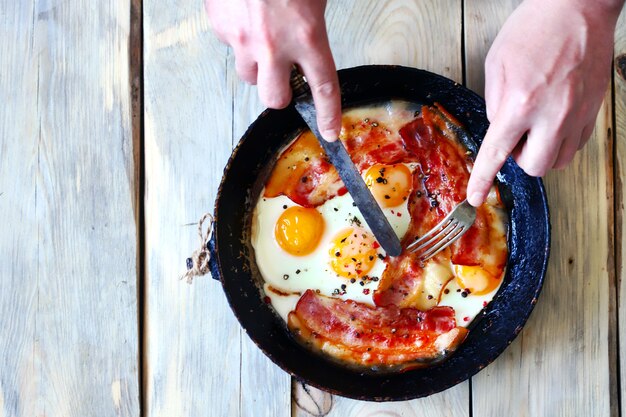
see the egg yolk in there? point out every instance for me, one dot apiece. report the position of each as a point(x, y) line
point(353, 253)
point(476, 279)
point(299, 229)
point(390, 184)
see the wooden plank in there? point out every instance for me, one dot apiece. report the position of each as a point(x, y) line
point(483, 20)
point(265, 388)
point(192, 340)
point(620, 179)
point(69, 339)
point(424, 34)
point(559, 365)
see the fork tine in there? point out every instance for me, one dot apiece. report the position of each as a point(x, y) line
point(432, 232)
point(452, 227)
point(437, 234)
point(444, 243)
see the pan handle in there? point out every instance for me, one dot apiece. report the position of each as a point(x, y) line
point(213, 265)
point(204, 259)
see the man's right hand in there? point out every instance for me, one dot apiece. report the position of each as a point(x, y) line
point(268, 37)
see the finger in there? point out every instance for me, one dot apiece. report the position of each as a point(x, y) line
point(567, 152)
point(321, 75)
point(273, 83)
point(539, 152)
point(501, 137)
point(494, 80)
point(247, 69)
point(586, 135)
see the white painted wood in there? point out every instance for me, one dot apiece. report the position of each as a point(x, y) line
point(68, 271)
point(423, 34)
point(559, 365)
point(192, 340)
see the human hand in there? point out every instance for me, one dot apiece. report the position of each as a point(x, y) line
point(545, 76)
point(268, 37)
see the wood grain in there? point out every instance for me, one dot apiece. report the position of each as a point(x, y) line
point(68, 303)
point(194, 355)
point(559, 365)
point(265, 388)
point(424, 34)
point(483, 20)
point(619, 95)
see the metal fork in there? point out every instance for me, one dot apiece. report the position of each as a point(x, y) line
point(452, 227)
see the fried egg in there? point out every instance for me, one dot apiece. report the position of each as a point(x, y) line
point(329, 248)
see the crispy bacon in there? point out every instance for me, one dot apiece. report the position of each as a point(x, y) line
point(444, 166)
point(483, 244)
point(409, 282)
point(382, 336)
point(304, 174)
point(400, 282)
point(372, 143)
point(438, 187)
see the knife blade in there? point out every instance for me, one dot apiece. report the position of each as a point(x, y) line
point(336, 152)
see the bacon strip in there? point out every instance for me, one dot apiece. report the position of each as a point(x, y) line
point(483, 244)
point(303, 173)
point(382, 336)
point(369, 144)
point(442, 182)
point(438, 187)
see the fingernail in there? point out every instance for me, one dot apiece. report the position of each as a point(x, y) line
point(329, 135)
point(476, 199)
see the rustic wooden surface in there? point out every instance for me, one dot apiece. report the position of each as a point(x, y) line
point(619, 94)
point(68, 270)
point(559, 364)
point(110, 151)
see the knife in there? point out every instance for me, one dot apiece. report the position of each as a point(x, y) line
point(336, 152)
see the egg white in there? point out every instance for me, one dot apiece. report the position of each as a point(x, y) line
point(467, 307)
point(287, 276)
point(295, 274)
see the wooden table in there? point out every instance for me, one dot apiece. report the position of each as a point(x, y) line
point(117, 119)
